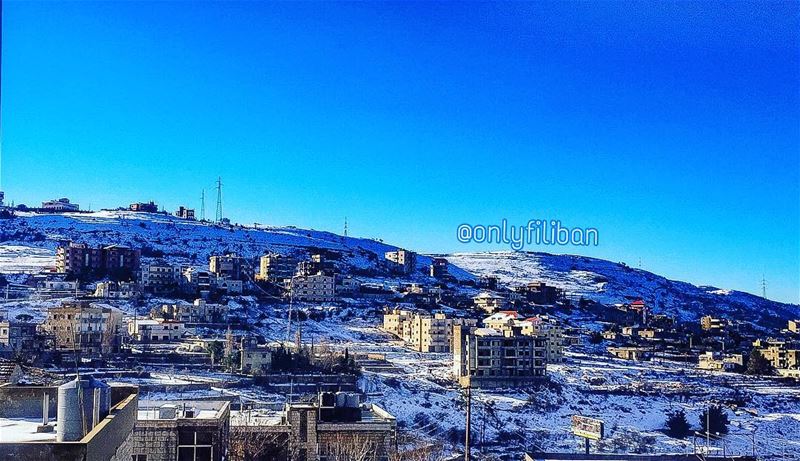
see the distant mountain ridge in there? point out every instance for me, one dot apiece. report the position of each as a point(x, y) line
point(609, 283)
point(28, 242)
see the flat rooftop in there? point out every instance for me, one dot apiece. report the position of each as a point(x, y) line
point(22, 430)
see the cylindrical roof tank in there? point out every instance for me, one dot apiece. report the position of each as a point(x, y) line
point(70, 420)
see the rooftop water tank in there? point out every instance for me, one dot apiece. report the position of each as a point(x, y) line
point(77, 406)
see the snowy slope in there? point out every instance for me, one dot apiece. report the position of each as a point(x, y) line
point(29, 241)
point(608, 282)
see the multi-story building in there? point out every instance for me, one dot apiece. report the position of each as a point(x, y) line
point(422, 331)
point(199, 311)
point(313, 288)
point(540, 293)
point(19, 338)
point(160, 277)
point(89, 329)
point(438, 267)
point(197, 281)
point(782, 355)
point(489, 302)
point(794, 326)
point(716, 361)
point(185, 213)
point(335, 427)
point(552, 332)
point(60, 205)
point(142, 207)
point(403, 261)
point(155, 331)
point(276, 268)
point(434, 333)
point(488, 282)
point(543, 327)
point(228, 266)
point(78, 258)
point(712, 324)
point(398, 322)
point(255, 359)
point(487, 358)
point(116, 290)
point(196, 430)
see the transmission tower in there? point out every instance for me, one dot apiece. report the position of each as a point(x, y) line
point(203, 205)
point(345, 226)
point(763, 287)
point(219, 199)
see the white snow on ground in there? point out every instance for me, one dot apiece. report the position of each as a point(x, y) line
point(631, 397)
point(16, 259)
point(610, 283)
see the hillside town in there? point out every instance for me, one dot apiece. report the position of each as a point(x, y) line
point(119, 351)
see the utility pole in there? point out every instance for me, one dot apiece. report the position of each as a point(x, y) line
point(219, 200)
point(469, 415)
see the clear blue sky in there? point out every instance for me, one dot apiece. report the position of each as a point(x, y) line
point(673, 128)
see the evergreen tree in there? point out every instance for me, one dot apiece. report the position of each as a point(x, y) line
point(758, 365)
point(677, 424)
point(716, 418)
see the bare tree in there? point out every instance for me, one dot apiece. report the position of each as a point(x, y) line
point(253, 443)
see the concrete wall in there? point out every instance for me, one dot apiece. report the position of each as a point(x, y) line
point(26, 401)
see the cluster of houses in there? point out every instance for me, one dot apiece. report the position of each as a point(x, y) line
point(506, 350)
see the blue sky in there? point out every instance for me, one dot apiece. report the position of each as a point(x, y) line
point(673, 128)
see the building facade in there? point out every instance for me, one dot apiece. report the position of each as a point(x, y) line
point(313, 288)
point(84, 328)
point(402, 261)
point(489, 358)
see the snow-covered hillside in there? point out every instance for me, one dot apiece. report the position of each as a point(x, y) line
point(28, 242)
point(608, 282)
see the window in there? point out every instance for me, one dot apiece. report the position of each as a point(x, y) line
point(138, 457)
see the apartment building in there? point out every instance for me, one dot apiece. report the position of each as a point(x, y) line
point(438, 267)
point(402, 261)
point(398, 322)
point(90, 329)
point(543, 327)
point(155, 331)
point(229, 266)
point(276, 268)
point(313, 288)
point(540, 293)
point(19, 338)
point(199, 311)
point(77, 258)
point(423, 331)
point(160, 277)
point(255, 359)
point(116, 290)
point(793, 326)
point(60, 205)
point(712, 324)
point(782, 355)
point(489, 358)
point(716, 361)
point(489, 302)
